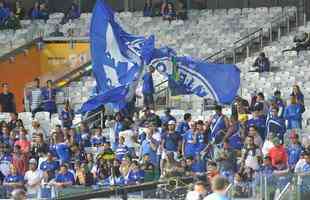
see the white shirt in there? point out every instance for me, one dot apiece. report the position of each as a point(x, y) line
point(300, 165)
point(33, 177)
point(251, 159)
point(192, 195)
point(110, 126)
point(128, 135)
point(266, 147)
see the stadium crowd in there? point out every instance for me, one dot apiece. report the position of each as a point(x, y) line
point(11, 14)
point(261, 137)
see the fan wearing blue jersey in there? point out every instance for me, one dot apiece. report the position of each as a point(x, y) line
point(280, 103)
point(293, 114)
point(258, 121)
point(64, 178)
point(97, 139)
point(189, 141)
point(171, 142)
point(275, 124)
point(234, 134)
point(49, 98)
point(13, 180)
point(150, 145)
point(135, 174)
point(218, 125)
point(67, 115)
point(148, 88)
point(49, 164)
point(183, 126)
point(201, 138)
point(121, 150)
point(294, 150)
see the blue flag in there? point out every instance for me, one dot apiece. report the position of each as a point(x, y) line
point(117, 59)
point(219, 81)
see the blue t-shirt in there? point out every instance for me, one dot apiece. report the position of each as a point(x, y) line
point(182, 127)
point(14, 178)
point(260, 124)
point(95, 140)
point(67, 177)
point(293, 152)
point(148, 85)
point(67, 117)
point(146, 149)
point(292, 114)
point(63, 153)
point(49, 166)
point(171, 141)
point(134, 177)
point(189, 140)
point(49, 97)
point(201, 142)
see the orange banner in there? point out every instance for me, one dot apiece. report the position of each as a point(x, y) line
point(54, 59)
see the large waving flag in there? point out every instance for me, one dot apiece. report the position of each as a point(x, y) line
point(117, 59)
point(219, 81)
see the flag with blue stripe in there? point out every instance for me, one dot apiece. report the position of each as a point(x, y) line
point(219, 81)
point(117, 59)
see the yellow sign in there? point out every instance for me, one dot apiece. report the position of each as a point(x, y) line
point(63, 56)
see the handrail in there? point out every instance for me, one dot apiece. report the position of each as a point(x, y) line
point(247, 36)
point(215, 54)
point(161, 83)
point(127, 189)
point(283, 192)
point(276, 19)
point(68, 75)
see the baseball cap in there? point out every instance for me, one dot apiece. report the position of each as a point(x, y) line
point(32, 161)
point(171, 122)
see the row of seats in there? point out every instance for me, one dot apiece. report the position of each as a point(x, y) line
point(293, 70)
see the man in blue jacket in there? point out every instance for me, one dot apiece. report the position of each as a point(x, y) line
point(148, 89)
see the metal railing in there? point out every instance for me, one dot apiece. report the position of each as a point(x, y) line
point(284, 192)
point(255, 41)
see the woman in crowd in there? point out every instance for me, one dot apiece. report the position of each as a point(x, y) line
point(293, 114)
point(168, 12)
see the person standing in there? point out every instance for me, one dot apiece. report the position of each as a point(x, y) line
point(49, 98)
point(148, 89)
point(219, 186)
point(7, 100)
point(218, 124)
point(33, 178)
point(35, 97)
point(293, 114)
point(67, 115)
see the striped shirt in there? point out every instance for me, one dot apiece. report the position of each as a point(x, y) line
point(35, 98)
